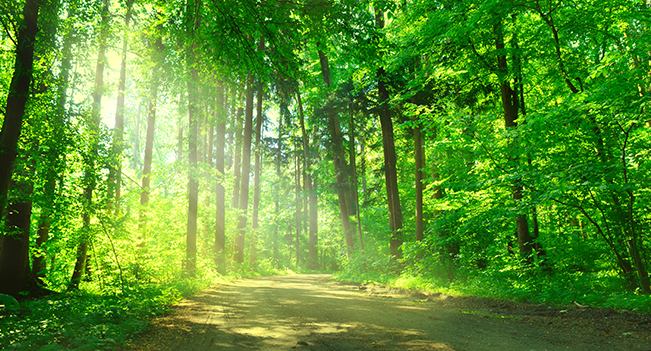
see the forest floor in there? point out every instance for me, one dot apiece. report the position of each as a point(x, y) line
point(312, 312)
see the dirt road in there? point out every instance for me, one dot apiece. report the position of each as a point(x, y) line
point(310, 312)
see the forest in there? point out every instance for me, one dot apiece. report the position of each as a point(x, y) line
point(491, 148)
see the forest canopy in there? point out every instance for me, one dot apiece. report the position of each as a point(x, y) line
point(457, 141)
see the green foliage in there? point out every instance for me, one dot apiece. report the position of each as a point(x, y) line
point(9, 303)
point(595, 289)
point(86, 320)
point(97, 318)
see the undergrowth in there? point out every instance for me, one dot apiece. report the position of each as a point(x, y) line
point(101, 318)
point(531, 284)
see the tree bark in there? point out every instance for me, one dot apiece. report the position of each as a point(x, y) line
point(90, 181)
point(246, 169)
point(510, 108)
point(419, 160)
point(279, 176)
point(220, 192)
point(237, 167)
point(313, 259)
point(55, 158)
point(17, 97)
point(149, 141)
point(390, 173)
point(353, 177)
point(362, 166)
point(339, 160)
point(15, 275)
point(193, 23)
point(297, 203)
point(257, 167)
point(114, 180)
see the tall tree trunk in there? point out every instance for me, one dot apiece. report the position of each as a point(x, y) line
point(257, 168)
point(419, 160)
point(210, 144)
point(89, 173)
point(179, 145)
point(390, 173)
point(509, 106)
point(17, 97)
point(193, 23)
point(54, 158)
point(220, 192)
point(419, 172)
point(279, 176)
point(518, 102)
point(149, 141)
point(246, 169)
point(313, 259)
point(353, 177)
point(135, 160)
point(339, 160)
point(297, 202)
point(14, 244)
point(114, 180)
point(237, 162)
point(362, 166)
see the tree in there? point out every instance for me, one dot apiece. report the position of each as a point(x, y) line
point(220, 191)
point(193, 21)
point(18, 96)
point(259, 121)
point(390, 173)
point(114, 172)
point(313, 258)
point(338, 156)
point(90, 177)
point(156, 53)
point(246, 169)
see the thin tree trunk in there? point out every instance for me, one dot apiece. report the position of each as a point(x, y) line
point(146, 169)
point(193, 11)
point(419, 160)
point(114, 180)
point(297, 203)
point(518, 102)
point(211, 136)
point(17, 97)
point(313, 259)
point(230, 130)
point(179, 146)
point(54, 162)
point(339, 161)
point(277, 192)
point(89, 173)
point(246, 169)
point(149, 141)
point(362, 143)
point(257, 168)
point(510, 116)
point(390, 173)
point(237, 167)
point(220, 200)
point(353, 177)
point(203, 139)
point(135, 161)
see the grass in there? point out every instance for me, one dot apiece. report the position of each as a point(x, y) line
point(101, 319)
point(88, 319)
point(600, 290)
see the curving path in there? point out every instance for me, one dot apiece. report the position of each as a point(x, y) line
point(309, 312)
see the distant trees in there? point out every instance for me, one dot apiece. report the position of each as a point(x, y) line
point(501, 125)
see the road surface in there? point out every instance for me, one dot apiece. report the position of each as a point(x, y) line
point(311, 312)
